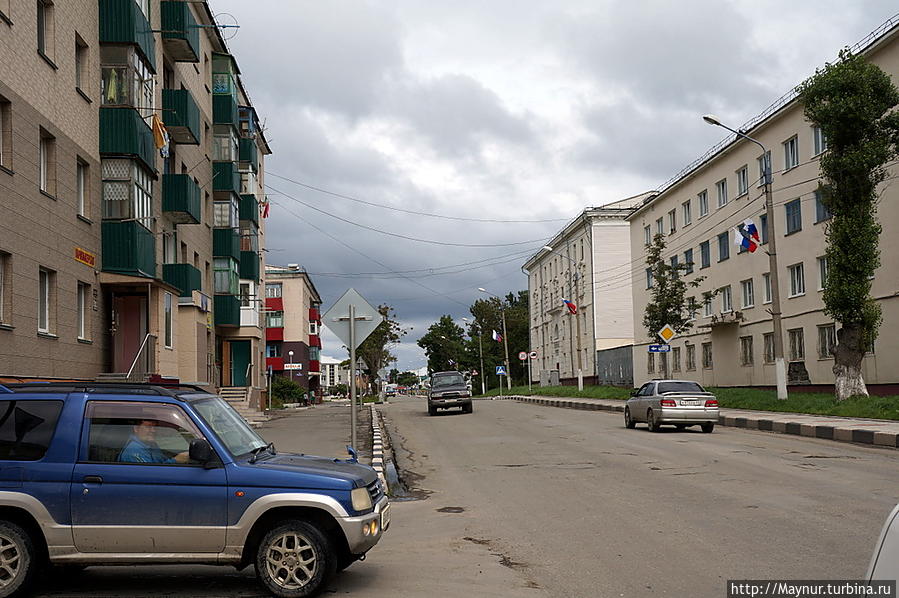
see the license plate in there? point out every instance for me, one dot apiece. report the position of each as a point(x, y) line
point(691, 402)
point(385, 518)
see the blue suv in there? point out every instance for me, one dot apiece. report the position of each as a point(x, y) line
point(95, 474)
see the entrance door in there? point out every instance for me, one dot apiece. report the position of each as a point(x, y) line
point(130, 328)
point(240, 359)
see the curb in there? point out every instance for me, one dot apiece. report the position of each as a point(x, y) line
point(827, 431)
point(377, 447)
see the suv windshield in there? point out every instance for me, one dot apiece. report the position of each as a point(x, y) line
point(447, 380)
point(229, 426)
point(679, 387)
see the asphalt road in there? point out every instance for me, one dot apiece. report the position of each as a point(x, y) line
point(524, 500)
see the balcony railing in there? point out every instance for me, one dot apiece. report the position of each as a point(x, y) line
point(180, 34)
point(249, 265)
point(226, 243)
point(183, 277)
point(181, 198)
point(123, 22)
point(128, 248)
point(181, 114)
point(249, 208)
point(224, 110)
point(225, 177)
point(249, 153)
point(227, 310)
point(124, 133)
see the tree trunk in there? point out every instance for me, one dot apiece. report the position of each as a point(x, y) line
point(847, 363)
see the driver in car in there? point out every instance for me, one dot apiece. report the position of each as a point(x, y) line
point(142, 448)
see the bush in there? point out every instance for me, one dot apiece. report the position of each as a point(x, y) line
point(285, 390)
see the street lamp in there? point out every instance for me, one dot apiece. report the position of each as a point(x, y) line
point(502, 310)
point(780, 369)
point(571, 282)
point(481, 355)
point(290, 354)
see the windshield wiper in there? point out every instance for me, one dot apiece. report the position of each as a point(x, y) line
point(258, 451)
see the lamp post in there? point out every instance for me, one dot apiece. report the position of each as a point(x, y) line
point(572, 279)
point(481, 355)
point(780, 369)
point(502, 311)
point(290, 354)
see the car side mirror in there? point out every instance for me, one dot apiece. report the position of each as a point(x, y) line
point(634, 392)
point(200, 451)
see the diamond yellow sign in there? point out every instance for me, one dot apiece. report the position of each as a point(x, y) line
point(666, 333)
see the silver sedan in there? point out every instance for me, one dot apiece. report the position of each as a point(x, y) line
point(680, 403)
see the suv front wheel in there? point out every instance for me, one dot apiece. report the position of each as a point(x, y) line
point(295, 560)
point(17, 560)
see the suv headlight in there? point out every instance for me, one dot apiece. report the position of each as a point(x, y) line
point(361, 499)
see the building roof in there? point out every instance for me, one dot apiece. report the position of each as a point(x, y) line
point(292, 271)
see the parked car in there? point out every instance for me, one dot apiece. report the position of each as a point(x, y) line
point(885, 560)
point(99, 474)
point(447, 390)
point(680, 403)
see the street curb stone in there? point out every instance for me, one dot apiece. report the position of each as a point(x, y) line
point(377, 449)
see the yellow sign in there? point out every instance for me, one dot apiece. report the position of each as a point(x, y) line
point(85, 257)
point(666, 333)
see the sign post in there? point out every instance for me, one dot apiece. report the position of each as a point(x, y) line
point(500, 372)
point(666, 334)
point(533, 356)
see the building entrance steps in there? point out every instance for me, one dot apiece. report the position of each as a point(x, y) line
point(878, 432)
point(237, 397)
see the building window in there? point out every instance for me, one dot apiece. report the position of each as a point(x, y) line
point(5, 288)
point(791, 153)
point(687, 212)
point(703, 198)
point(224, 144)
point(707, 356)
point(675, 359)
point(47, 163)
point(5, 133)
point(649, 278)
point(721, 188)
point(723, 246)
point(673, 262)
point(45, 300)
point(82, 307)
point(245, 294)
point(273, 350)
point(797, 279)
point(81, 63)
point(168, 320)
point(226, 276)
point(127, 191)
point(169, 247)
point(647, 235)
point(688, 261)
point(45, 28)
point(745, 350)
point(705, 255)
point(274, 319)
point(81, 188)
point(742, 181)
point(820, 140)
point(225, 214)
point(672, 221)
point(707, 307)
point(768, 339)
point(727, 304)
point(797, 344)
point(767, 278)
point(761, 162)
point(651, 363)
point(691, 357)
point(660, 227)
point(313, 328)
point(827, 340)
point(794, 216)
point(126, 79)
point(273, 289)
point(748, 293)
point(822, 272)
point(763, 228)
point(821, 211)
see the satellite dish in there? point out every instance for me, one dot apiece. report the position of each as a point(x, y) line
point(227, 24)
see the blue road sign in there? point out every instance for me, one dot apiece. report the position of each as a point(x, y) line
point(500, 370)
point(659, 348)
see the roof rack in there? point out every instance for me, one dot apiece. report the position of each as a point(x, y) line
point(135, 388)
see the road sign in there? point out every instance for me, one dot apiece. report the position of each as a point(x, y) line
point(659, 348)
point(533, 355)
point(474, 372)
point(523, 355)
point(293, 366)
point(666, 333)
point(500, 370)
point(337, 319)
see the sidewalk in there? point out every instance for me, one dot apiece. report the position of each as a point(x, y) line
point(323, 430)
point(844, 429)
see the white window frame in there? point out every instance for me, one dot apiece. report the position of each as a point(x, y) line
point(748, 291)
point(271, 286)
point(703, 197)
point(761, 163)
point(727, 302)
point(687, 212)
point(5, 123)
point(822, 272)
point(796, 338)
point(797, 279)
point(820, 140)
point(43, 303)
point(168, 332)
point(743, 181)
point(44, 164)
point(647, 235)
point(721, 190)
point(81, 309)
point(768, 347)
point(691, 358)
point(672, 221)
point(4, 266)
point(707, 308)
point(827, 340)
point(791, 152)
point(81, 190)
point(767, 278)
point(660, 226)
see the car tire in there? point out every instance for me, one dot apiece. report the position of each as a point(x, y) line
point(707, 428)
point(18, 560)
point(468, 408)
point(651, 422)
point(680, 427)
point(295, 560)
point(629, 422)
point(432, 410)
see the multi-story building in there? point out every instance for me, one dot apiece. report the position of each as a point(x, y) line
point(129, 149)
point(732, 340)
point(330, 373)
point(293, 326)
point(587, 263)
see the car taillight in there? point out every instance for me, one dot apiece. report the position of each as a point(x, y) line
point(668, 403)
point(711, 403)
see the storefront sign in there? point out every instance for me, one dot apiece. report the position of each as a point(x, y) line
point(85, 257)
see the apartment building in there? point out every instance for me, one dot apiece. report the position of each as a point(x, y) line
point(126, 133)
point(587, 263)
point(732, 342)
point(293, 326)
point(330, 373)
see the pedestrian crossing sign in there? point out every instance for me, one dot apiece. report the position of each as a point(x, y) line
point(500, 370)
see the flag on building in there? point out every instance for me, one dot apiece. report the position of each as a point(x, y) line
point(497, 336)
point(571, 306)
point(746, 235)
point(265, 207)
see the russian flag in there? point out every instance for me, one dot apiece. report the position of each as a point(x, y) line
point(571, 306)
point(497, 336)
point(746, 235)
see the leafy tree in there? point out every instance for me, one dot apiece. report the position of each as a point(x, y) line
point(391, 377)
point(444, 345)
point(853, 102)
point(285, 390)
point(488, 317)
point(340, 389)
point(407, 379)
point(375, 350)
point(669, 303)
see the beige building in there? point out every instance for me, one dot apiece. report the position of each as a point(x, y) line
point(590, 250)
point(126, 254)
point(732, 343)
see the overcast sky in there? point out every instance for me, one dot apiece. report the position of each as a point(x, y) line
point(495, 110)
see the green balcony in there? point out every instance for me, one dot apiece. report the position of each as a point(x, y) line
point(128, 248)
point(224, 111)
point(180, 34)
point(181, 116)
point(249, 265)
point(249, 153)
point(122, 22)
point(226, 243)
point(181, 198)
point(227, 310)
point(124, 133)
point(183, 277)
point(249, 209)
point(225, 177)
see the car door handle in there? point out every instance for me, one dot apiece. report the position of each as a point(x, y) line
point(92, 479)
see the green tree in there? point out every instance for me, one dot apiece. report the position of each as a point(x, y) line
point(487, 318)
point(669, 303)
point(853, 102)
point(285, 390)
point(407, 379)
point(444, 345)
point(375, 350)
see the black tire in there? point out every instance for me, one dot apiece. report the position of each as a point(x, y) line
point(651, 422)
point(629, 422)
point(18, 560)
point(432, 410)
point(707, 428)
point(295, 560)
point(680, 427)
point(468, 408)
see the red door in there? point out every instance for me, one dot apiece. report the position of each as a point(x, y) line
point(130, 328)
